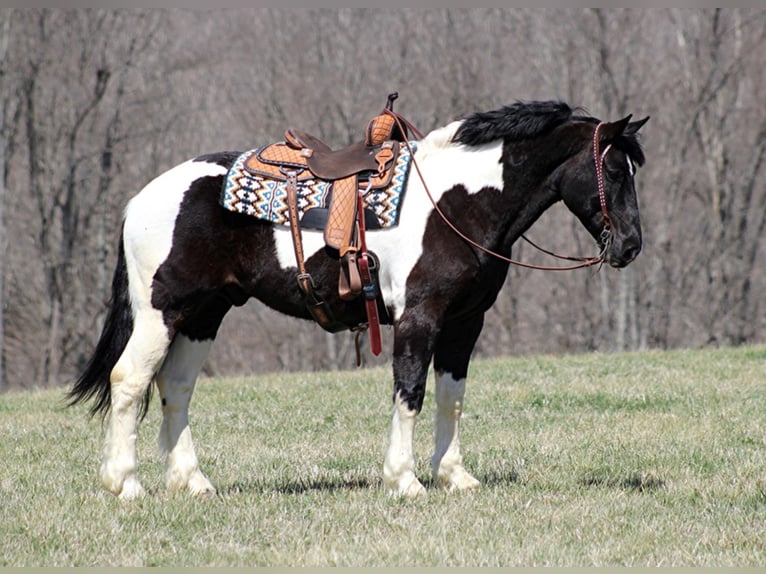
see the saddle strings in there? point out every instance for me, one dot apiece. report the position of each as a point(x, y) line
point(584, 261)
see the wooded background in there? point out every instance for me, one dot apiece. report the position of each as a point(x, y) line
point(96, 103)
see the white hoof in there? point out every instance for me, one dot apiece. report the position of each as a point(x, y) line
point(457, 480)
point(200, 486)
point(195, 482)
point(131, 489)
point(408, 487)
point(122, 484)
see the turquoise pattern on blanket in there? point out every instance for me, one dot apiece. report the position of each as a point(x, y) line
point(266, 199)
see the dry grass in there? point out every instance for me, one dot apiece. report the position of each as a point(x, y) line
point(646, 459)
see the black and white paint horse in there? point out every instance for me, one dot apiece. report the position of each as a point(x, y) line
point(184, 261)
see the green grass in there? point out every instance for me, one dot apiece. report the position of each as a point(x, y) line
point(644, 459)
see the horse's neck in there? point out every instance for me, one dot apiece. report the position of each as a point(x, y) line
point(530, 190)
point(446, 168)
point(526, 214)
point(519, 197)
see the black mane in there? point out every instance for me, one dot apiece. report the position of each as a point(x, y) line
point(525, 120)
point(521, 120)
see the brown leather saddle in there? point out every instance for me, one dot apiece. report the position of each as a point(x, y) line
point(366, 165)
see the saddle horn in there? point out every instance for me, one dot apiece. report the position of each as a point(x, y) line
point(390, 103)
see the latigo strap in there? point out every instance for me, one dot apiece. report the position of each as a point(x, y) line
point(369, 287)
point(319, 310)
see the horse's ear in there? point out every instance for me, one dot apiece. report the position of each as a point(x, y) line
point(611, 130)
point(633, 127)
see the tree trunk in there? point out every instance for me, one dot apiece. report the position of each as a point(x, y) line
point(5, 27)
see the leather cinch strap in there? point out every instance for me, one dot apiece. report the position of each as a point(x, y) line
point(356, 258)
point(316, 306)
point(369, 287)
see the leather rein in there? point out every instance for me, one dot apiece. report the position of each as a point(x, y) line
point(606, 233)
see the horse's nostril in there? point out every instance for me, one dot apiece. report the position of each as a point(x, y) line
point(624, 253)
point(631, 251)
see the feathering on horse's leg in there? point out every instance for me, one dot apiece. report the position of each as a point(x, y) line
point(447, 462)
point(175, 383)
point(399, 465)
point(129, 381)
point(451, 357)
point(413, 345)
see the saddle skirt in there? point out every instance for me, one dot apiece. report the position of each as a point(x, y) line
point(256, 185)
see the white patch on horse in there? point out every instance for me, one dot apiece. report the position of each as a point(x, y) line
point(129, 379)
point(399, 464)
point(313, 241)
point(438, 139)
point(447, 462)
point(399, 248)
point(175, 382)
point(631, 167)
point(148, 235)
point(150, 220)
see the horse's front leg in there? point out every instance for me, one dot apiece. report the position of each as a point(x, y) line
point(451, 357)
point(413, 348)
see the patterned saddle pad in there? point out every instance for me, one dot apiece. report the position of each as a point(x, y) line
point(266, 199)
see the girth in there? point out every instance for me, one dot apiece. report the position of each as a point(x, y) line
point(358, 274)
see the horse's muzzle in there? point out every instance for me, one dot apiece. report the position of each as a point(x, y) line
point(620, 255)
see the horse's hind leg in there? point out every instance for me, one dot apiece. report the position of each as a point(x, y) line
point(175, 382)
point(130, 379)
point(451, 357)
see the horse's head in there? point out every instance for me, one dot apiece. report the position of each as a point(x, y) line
point(598, 187)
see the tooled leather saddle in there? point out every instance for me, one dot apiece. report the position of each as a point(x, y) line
point(368, 165)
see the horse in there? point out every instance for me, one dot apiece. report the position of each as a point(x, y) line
point(481, 182)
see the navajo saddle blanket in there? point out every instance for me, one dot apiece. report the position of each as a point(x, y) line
point(256, 194)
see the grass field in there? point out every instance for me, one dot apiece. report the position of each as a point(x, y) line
point(645, 459)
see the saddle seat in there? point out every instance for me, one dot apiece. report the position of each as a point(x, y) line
point(374, 153)
point(330, 164)
point(370, 159)
point(372, 164)
point(368, 164)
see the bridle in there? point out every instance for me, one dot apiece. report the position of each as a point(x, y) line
point(606, 233)
point(599, 158)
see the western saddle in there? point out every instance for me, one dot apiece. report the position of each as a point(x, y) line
point(366, 165)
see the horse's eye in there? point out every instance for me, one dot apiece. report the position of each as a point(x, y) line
point(614, 172)
point(618, 170)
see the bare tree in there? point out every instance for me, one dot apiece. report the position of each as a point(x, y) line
point(95, 103)
point(732, 158)
point(72, 104)
point(8, 128)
